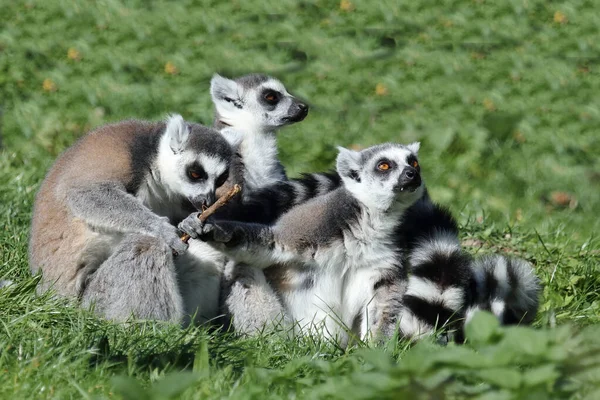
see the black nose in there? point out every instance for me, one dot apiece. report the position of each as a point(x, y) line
point(409, 179)
point(298, 111)
point(204, 201)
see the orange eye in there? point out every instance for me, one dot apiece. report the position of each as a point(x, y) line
point(195, 175)
point(383, 166)
point(415, 164)
point(271, 97)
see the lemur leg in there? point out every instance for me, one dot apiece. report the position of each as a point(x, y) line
point(249, 300)
point(379, 318)
point(199, 273)
point(138, 280)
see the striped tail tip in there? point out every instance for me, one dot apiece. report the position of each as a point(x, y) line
point(508, 287)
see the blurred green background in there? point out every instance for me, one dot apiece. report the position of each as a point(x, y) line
point(504, 96)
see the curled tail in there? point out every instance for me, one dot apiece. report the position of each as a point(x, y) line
point(506, 286)
point(439, 289)
point(447, 287)
point(440, 284)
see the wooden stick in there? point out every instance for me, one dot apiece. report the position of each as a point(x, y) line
point(221, 201)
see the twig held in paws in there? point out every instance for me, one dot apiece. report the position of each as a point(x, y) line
point(221, 201)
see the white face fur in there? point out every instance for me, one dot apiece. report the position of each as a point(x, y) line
point(255, 103)
point(382, 177)
point(186, 172)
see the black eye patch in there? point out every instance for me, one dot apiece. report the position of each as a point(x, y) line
point(222, 179)
point(270, 97)
point(196, 173)
point(413, 162)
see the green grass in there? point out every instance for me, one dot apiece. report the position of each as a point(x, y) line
point(504, 97)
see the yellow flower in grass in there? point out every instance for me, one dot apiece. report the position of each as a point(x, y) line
point(380, 89)
point(170, 68)
point(49, 86)
point(560, 18)
point(73, 54)
point(489, 105)
point(346, 5)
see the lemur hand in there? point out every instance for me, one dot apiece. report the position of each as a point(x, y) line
point(208, 231)
point(170, 235)
point(192, 225)
point(218, 231)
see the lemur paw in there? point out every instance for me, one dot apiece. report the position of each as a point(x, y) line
point(208, 231)
point(217, 231)
point(170, 235)
point(192, 225)
point(177, 245)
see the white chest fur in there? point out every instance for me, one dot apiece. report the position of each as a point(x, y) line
point(259, 152)
point(345, 274)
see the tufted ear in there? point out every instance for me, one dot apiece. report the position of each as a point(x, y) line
point(348, 163)
point(223, 91)
point(414, 147)
point(178, 132)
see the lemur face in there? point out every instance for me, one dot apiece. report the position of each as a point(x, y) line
point(255, 102)
point(382, 176)
point(195, 163)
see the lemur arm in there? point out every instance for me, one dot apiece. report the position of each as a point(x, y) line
point(254, 244)
point(108, 207)
point(250, 243)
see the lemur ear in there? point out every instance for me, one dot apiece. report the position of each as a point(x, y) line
point(178, 132)
point(414, 147)
point(223, 89)
point(348, 163)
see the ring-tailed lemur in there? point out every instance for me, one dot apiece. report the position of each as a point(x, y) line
point(445, 285)
point(249, 111)
point(331, 254)
point(103, 227)
point(252, 108)
point(443, 282)
point(439, 268)
point(428, 228)
point(240, 104)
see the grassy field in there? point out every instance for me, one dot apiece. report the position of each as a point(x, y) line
point(504, 96)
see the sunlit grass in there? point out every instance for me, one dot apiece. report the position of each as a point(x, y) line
point(502, 95)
